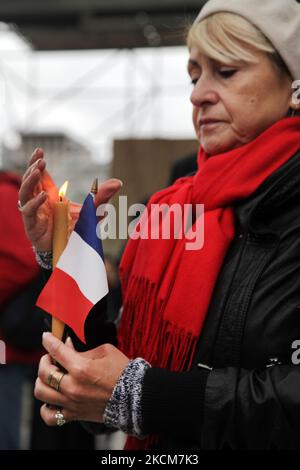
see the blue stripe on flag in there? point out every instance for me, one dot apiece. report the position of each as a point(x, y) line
point(87, 224)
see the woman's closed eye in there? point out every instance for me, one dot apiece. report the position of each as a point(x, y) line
point(227, 72)
point(224, 73)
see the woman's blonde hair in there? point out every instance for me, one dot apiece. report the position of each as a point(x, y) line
point(227, 37)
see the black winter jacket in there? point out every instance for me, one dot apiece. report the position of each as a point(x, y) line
point(243, 391)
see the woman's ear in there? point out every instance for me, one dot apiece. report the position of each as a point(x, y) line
point(294, 108)
point(295, 101)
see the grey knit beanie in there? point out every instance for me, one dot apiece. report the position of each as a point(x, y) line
point(278, 20)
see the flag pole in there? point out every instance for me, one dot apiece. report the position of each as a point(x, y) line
point(94, 188)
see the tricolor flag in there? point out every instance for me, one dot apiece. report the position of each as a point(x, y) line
point(79, 279)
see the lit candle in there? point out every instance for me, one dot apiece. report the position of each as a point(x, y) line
point(61, 217)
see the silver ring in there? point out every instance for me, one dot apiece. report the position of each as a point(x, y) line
point(60, 419)
point(20, 207)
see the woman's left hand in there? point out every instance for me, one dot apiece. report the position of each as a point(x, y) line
point(87, 385)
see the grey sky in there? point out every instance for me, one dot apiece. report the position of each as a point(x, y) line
point(95, 96)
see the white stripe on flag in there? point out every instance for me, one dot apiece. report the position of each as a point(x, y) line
point(86, 267)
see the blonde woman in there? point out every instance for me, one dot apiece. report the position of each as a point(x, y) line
point(206, 354)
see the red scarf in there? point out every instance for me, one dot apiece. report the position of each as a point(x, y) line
point(166, 288)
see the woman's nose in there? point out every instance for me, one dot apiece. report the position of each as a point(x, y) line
point(204, 92)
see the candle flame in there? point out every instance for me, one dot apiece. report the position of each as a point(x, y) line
point(63, 190)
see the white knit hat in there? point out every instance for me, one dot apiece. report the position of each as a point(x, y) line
point(278, 20)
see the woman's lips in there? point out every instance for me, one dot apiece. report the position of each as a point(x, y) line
point(209, 124)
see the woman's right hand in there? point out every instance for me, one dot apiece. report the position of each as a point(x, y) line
point(37, 195)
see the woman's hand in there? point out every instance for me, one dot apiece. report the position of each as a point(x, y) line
point(37, 196)
point(87, 385)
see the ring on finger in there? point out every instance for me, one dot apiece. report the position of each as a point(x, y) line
point(60, 419)
point(54, 379)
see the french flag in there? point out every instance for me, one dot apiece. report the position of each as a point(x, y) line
point(79, 279)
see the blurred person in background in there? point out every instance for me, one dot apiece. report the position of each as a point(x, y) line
point(204, 357)
point(20, 327)
point(185, 166)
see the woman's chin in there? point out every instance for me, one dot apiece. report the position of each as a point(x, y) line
point(214, 149)
point(214, 146)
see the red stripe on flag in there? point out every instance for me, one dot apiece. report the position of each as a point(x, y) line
point(62, 298)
